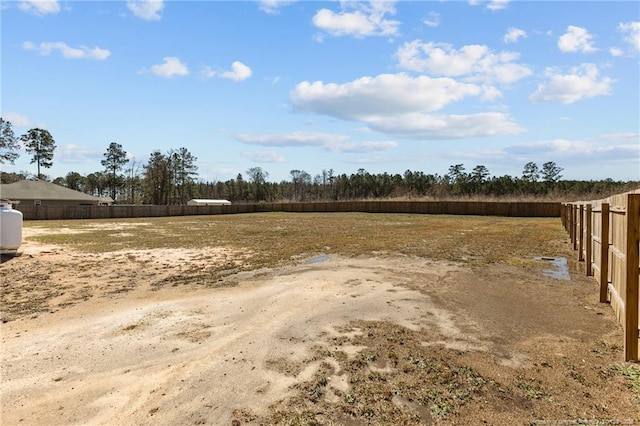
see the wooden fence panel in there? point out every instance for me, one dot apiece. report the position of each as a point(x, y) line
point(606, 234)
point(480, 208)
point(617, 260)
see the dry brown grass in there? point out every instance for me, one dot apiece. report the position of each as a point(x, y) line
point(269, 239)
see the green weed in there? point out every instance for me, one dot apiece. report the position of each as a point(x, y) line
point(631, 373)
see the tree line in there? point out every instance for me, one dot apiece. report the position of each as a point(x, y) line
point(362, 185)
point(171, 178)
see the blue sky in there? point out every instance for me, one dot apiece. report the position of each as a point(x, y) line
point(284, 85)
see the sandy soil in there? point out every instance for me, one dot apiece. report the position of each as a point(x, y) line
point(109, 340)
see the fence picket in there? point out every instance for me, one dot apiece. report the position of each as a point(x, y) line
point(631, 285)
point(604, 253)
point(589, 236)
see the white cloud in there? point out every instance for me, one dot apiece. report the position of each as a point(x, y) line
point(555, 146)
point(239, 72)
point(438, 127)
point(372, 95)
point(405, 114)
point(513, 34)
point(576, 151)
point(631, 31)
point(576, 39)
point(581, 82)
point(68, 52)
point(635, 137)
point(491, 5)
point(39, 7)
point(273, 7)
point(150, 10)
point(293, 139)
point(318, 38)
point(432, 19)
point(264, 156)
point(615, 51)
point(74, 154)
point(17, 120)
point(476, 62)
point(363, 147)
point(170, 67)
point(207, 72)
point(358, 19)
point(490, 93)
point(498, 4)
point(328, 141)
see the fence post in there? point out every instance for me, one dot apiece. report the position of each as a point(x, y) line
point(581, 233)
point(632, 261)
point(604, 253)
point(574, 218)
point(589, 259)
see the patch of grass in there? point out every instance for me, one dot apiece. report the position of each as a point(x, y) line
point(524, 262)
point(304, 418)
point(575, 375)
point(317, 389)
point(274, 238)
point(603, 348)
point(632, 375)
point(426, 384)
point(439, 406)
point(350, 398)
point(267, 240)
point(531, 387)
point(469, 377)
point(369, 357)
point(416, 363)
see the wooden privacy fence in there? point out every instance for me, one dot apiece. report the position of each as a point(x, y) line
point(606, 234)
point(515, 209)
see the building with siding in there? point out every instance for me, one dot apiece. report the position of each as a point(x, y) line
point(201, 202)
point(42, 193)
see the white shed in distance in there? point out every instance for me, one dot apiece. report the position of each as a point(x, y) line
point(201, 202)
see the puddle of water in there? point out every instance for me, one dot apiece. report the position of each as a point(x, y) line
point(560, 269)
point(319, 259)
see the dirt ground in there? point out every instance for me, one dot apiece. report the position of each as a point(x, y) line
point(122, 337)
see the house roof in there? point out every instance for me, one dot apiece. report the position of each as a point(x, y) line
point(43, 190)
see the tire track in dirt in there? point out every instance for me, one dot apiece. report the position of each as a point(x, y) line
point(202, 354)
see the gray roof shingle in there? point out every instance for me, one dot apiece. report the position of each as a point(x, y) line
point(43, 190)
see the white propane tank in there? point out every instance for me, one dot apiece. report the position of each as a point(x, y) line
point(10, 228)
